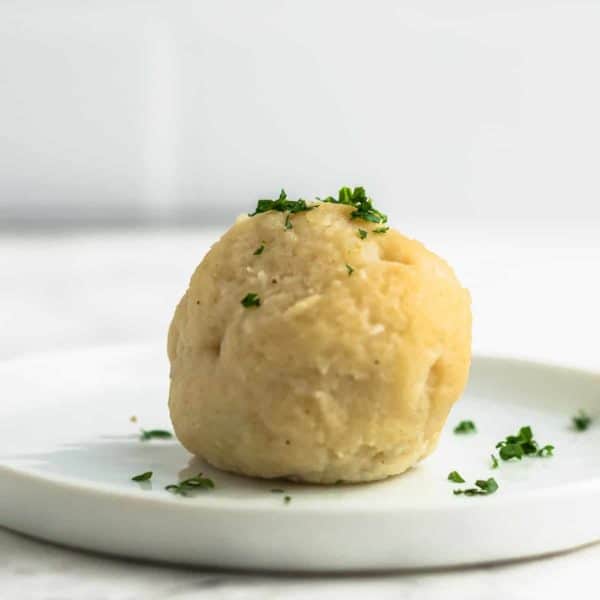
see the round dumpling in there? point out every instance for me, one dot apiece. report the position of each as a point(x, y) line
point(319, 347)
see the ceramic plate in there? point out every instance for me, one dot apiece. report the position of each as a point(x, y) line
point(68, 450)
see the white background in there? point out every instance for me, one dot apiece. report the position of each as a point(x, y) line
point(164, 111)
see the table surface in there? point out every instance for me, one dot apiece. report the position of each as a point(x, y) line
point(536, 293)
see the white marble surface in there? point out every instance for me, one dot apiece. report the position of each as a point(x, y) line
point(535, 293)
point(31, 570)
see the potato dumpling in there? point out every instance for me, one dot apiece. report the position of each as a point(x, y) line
point(311, 347)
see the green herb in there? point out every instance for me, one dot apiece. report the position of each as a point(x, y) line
point(287, 499)
point(259, 250)
point(282, 204)
point(494, 462)
point(278, 491)
point(191, 485)
point(362, 234)
point(522, 444)
point(381, 230)
point(465, 427)
point(288, 224)
point(155, 434)
point(363, 206)
point(250, 299)
point(484, 488)
point(349, 269)
point(581, 421)
point(455, 477)
point(511, 451)
point(517, 446)
point(547, 450)
point(142, 476)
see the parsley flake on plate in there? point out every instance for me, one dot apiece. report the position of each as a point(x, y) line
point(581, 421)
point(456, 477)
point(155, 434)
point(191, 485)
point(522, 444)
point(465, 427)
point(142, 476)
point(547, 450)
point(485, 487)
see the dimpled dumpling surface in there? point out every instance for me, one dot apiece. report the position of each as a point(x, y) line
point(344, 365)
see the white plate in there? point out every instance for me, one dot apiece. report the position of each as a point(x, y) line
point(68, 450)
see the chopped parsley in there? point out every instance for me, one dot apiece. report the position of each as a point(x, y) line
point(484, 488)
point(522, 444)
point(455, 477)
point(155, 434)
point(581, 421)
point(547, 450)
point(465, 427)
point(191, 485)
point(287, 499)
point(259, 250)
point(494, 462)
point(350, 269)
point(363, 206)
point(381, 230)
point(362, 234)
point(282, 204)
point(357, 198)
point(250, 299)
point(142, 476)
